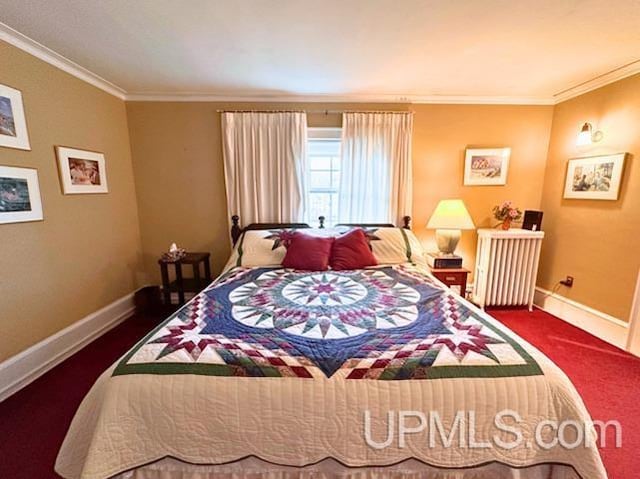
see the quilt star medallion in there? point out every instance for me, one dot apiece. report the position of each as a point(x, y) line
point(386, 323)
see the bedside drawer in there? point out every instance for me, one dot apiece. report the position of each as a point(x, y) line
point(451, 278)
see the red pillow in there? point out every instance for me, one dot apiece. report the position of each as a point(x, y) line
point(309, 253)
point(351, 251)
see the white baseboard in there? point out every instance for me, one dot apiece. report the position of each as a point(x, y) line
point(601, 325)
point(23, 368)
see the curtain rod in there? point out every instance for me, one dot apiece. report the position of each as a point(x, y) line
point(325, 112)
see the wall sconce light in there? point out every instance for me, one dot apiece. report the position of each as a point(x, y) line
point(588, 136)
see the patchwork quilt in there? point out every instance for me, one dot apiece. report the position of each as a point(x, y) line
point(386, 323)
point(282, 366)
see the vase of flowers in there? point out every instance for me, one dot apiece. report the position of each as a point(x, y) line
point(506, 213)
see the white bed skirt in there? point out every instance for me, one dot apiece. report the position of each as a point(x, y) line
point(253, 468)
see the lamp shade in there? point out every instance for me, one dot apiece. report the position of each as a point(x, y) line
point(451, 214)
point(584, 137)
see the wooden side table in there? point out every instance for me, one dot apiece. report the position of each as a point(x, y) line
point(182, 285)
point(453, 277)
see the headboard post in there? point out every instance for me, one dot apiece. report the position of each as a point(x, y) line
point(407, 222)
point(236, 231)
point(321, 220)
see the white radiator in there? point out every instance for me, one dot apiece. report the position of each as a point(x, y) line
point(506, 267)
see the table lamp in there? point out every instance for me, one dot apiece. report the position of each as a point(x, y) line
point(448, 219)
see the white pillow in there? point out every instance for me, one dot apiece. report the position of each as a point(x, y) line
point(395, 245)
point(268, 247)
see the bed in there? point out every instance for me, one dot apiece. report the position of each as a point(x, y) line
point(278, 373)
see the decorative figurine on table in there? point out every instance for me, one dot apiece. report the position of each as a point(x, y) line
point(174, 253)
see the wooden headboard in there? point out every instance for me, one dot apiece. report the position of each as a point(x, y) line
point(406, 224)
point(237, 230)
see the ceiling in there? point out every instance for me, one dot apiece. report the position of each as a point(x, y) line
point(398, 50)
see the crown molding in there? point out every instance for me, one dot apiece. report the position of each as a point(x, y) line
point(601, 80)
point(38, 50)
point(250, 97)
point(482, 100)
point(357, 98)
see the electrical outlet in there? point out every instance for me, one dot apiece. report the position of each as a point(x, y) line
point(568, 281)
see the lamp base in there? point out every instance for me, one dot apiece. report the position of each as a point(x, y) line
point(447, 240)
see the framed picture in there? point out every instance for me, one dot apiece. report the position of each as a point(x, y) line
point(81, 171)
point(486, 166)
point(19, 195)
point(13, 125)
point(594, 178)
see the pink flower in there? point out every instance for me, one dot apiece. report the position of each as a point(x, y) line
point(513, 213)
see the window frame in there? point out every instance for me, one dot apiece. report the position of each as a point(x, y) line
point(332, 134)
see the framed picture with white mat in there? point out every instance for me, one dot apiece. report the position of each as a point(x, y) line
point(81, 171)
point(595, 177)
point(19, 195)
point(486, 166)
point(13, 124)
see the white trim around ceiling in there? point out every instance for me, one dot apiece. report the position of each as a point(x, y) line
point(601, 80)
point(355, 98)
point(38, 50)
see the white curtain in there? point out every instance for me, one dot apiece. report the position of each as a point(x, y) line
point(265, 165)
point(375, 168)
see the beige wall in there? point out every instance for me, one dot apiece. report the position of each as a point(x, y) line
point(179, 174)
point(89, 250)
point(441, 134)
point(177, 155)
point(595, 241)
point(85, 253)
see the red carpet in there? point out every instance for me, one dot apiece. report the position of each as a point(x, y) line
point(34, 421)
point(607, 378)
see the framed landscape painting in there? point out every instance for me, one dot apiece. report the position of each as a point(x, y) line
point(486, 166)
point(13, 125)
point(594, 178)
point(81, 171)
point(19, 195)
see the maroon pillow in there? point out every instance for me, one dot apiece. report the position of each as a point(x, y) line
point(351, 251)
point(309, 253)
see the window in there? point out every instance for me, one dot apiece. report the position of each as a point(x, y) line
point(323, 151)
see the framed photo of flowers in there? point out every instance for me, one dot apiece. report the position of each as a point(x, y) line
point(19, 195)
point(595, 177)
point(81, 171)
point(486, 166)
point(13, 124)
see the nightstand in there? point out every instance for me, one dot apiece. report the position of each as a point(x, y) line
point(182, 285)
point(453, 277)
